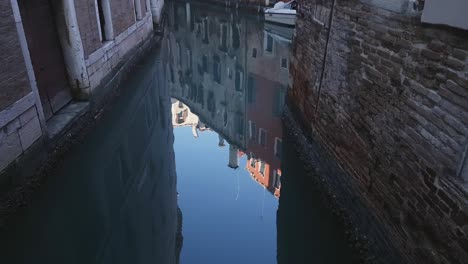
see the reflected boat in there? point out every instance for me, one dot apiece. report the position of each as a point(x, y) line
point(282, 13)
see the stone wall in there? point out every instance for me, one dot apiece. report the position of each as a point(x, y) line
point(388, 100)
point(100, 63)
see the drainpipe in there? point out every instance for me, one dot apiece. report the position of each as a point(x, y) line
point(330, 22)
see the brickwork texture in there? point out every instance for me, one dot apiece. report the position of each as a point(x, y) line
point(15, 84)
point(387, 97)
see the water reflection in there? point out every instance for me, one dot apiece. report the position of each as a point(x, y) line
point(113, 199)
point(232, 72)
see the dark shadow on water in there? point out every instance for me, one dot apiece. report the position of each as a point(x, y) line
point(307, 232)
point(113, 199)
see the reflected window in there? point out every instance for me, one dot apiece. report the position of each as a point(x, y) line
point(216, 69)
point(278, 147)
point(239, 79)
point(239, 125)
point(251, 89)
point(252, 130)
point(235, 36)
point(205, 32)
point(284, 63)
point(205, 63)
point(262, 134)
point(253, 161)
point(261, 169)
point(278, 103)
point(211, 102)
point(254, 53)
point(268, 44)
point(179, 54)
point(229, 73)
point(189, 58)
point(224, 33)
point(277, 179)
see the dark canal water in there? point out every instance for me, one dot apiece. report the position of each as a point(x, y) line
point(191, 164)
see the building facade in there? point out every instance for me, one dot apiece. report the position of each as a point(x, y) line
point(54, 53)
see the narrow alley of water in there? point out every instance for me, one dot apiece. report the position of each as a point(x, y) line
point(191, 164)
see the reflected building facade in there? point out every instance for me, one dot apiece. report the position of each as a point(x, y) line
point(232, 74)
point(118, 198)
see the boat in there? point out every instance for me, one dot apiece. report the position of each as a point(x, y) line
point(282, 13)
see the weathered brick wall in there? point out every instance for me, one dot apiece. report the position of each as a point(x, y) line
point(87, 21)
point(14, 82)
point(123, 15)
point(392, 109)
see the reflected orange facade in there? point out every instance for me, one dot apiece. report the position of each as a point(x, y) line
point(264, 132)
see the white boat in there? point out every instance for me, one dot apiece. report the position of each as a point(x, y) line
point(282, 13)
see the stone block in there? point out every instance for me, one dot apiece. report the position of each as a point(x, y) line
point(13, 126)
point(28, 115)
point(10, 149)
point(29, 133)
point(431, 55)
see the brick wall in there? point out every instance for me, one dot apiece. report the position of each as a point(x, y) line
point(392, 110)
point(87, 21)
point(123, 15)
point(14, 82)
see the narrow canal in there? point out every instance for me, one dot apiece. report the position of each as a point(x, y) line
point(191, 164)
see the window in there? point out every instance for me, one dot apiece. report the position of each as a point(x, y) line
point(229, 73)
point(254, 53)
point(284, 63)
point(262, 137)
point(252, 130)
point(262, 168)
point(278, 147)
